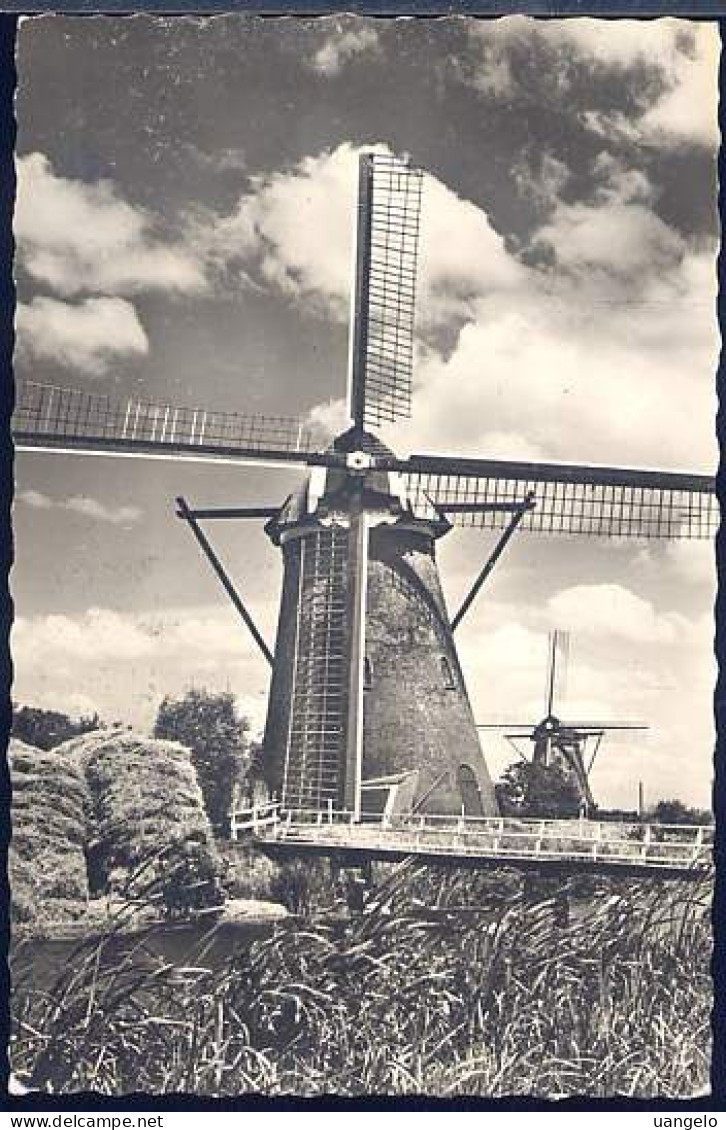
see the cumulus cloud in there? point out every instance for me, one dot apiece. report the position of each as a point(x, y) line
point(627, 658)
point(568, 358)
point(687, 109)
point(329, 418)
point(127, 662)
point(690, 563)
point(612, 610)
point(615, 232)
point(559, 350)
point(80, 504)
point(275, 233)
point(88, 336)
point(341, 46)
point(678, 60)
point(81, 238)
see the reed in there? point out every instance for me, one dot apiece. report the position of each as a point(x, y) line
point(501, 999)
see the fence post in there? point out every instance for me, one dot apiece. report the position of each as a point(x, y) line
point(698, 845)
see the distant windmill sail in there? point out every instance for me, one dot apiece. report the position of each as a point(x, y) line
point(558, 655)
point(389, 205)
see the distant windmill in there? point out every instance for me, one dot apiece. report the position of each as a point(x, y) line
point(367, 706)
point(554, 741)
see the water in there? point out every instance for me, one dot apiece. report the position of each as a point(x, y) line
point(39, 962)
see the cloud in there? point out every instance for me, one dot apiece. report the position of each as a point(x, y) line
point(126, 662)
point(597, 351)
point(687, 110)
point(330, 418)
point(340, 47)
point(82, 238)
point(689, 563)
point(674, 64)
point(104, 634)
point(623, 239)
point(89, 336)
point(35, 499)
point(612, 610)
point(81, 504)
point(274, 233)
point(558, 349)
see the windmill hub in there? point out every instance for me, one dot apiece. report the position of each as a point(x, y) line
point(359, 461)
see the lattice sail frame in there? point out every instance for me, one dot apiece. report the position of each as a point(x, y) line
point(315, 756)
point(57, 414)
point(389, 208)
point(600, 502)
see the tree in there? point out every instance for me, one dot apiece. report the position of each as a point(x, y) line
point(528, 789)
point(676, 812)
point(207, 723)
point(46, 729)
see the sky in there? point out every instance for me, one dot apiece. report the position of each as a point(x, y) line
point(184, 234)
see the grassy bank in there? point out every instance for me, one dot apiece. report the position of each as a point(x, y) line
point(499, 1000)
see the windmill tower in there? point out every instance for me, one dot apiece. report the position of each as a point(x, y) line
point(367, 693)
point(572, 746)
point(368, 710)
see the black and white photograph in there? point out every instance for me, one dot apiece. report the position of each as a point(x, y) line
point(364, 571)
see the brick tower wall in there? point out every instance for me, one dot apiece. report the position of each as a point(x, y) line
point(412, 718)
point(279, 704)
point(416, 712)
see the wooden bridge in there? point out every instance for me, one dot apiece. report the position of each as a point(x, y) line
point(570, 846)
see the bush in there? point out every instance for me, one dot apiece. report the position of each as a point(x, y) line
point(247, 873)
point(303, 886)
point(50, 807)
point(192, 882)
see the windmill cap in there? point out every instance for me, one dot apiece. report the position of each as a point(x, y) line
point(357, 439)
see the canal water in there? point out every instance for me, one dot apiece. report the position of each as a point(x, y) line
point(39, 962)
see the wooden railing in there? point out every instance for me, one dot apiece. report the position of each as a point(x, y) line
point(671, 846)
point(254, 818)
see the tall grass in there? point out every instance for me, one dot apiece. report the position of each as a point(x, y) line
point(498, 1000)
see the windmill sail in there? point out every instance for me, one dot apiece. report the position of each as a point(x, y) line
point(47, 417)
point(389, 204)
point(315, 758)
point(569, 499)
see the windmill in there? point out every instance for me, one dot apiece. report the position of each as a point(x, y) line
point(368, 708)
point(554, 741)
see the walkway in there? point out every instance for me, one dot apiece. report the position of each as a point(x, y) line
point(669, 851)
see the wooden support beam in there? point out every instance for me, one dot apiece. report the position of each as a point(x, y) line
point(357, 591)
point(184, 512)
point(497, 552)
point(232, 512)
